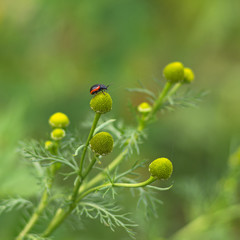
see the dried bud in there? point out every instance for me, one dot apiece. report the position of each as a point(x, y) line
point(101, 103)
point(144, 107)
point(174, 72)
point(102, 143)
point(188, 75)
point(59, 120)
point(161, 168)
point(57, 134)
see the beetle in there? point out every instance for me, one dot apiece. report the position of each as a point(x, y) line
point(98, 88)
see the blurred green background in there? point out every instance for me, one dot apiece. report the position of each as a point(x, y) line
point(51, 52)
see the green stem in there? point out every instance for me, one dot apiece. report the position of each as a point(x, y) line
point(41, 206)
point(62, 213)
point(95, 121)
point(205, 222)
point(126, 185)
point(141, 126)
point(158, 103)
point(174, 89)
point(102, 174)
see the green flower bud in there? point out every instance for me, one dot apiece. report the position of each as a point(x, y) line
point(101, 103)
point(102, 143)
point(174, 72)
point(161, 168)
point(59, 120)
point(57, 134)
point(188, 75)
point(51, 146)
point(144, 107)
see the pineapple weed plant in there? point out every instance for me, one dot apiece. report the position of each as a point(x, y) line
point(92, 195)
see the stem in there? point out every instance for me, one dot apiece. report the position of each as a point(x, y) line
point(174, 89)
point(204, 222)
point(62, 213)
point(140, 128)
point(126, 185)
point(158, 103)
point(109, 168)
point(95, 121)
point(41, 206)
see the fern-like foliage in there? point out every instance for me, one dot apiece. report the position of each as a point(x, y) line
point(107, 212)
point(7, 205)
point(36, 237)
point(183, 100)
point(35, 152)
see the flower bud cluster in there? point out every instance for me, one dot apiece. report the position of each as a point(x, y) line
point(58, 121)
point(175, 72)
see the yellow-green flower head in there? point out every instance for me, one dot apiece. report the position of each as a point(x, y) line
point(50, 146)
point(101, 103)
point(188, 75)
point(59, 120)
point(161, 168)
point(144, 107)
point(58, 134)
point(102, 143)
point(174, 72)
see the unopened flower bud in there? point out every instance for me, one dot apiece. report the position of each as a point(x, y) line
point(188, 75)
point(51, 146)
point(144, 107)
point(102, 143)
point(59, 120)
point(101, 103)
point(174, 72)
point(161, 168)
point(57, 134)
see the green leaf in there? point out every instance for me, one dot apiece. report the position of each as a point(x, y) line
point(107, 213)
point(7, 205)
point(142, 90)
point(103, 125)
point(36, 237)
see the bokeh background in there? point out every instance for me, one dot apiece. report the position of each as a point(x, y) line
point(51, 52)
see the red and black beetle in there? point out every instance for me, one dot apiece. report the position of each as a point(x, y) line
point(98, 88)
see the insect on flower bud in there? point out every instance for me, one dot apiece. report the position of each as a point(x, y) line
point(144, 107)
point(102, 143)
point(188, 75)
point(57, 134)
point(161, 168)
point(174, 72)
point(59, 120)
point(101, 103)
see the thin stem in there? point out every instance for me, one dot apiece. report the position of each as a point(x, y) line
point(158, 103)
point(95, 121)
point(90, 166)
point(35, 216)
point(62, 213)
point(174, 89)
point(141, 126)
point(102, 174)
point(126, 185)
point(41, 206)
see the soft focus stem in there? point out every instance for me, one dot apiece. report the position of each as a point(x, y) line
point(95, 121)
point(125, 185)
point(42, 204)
point(62, 213)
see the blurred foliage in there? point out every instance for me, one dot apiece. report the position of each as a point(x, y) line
point(51, 52)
